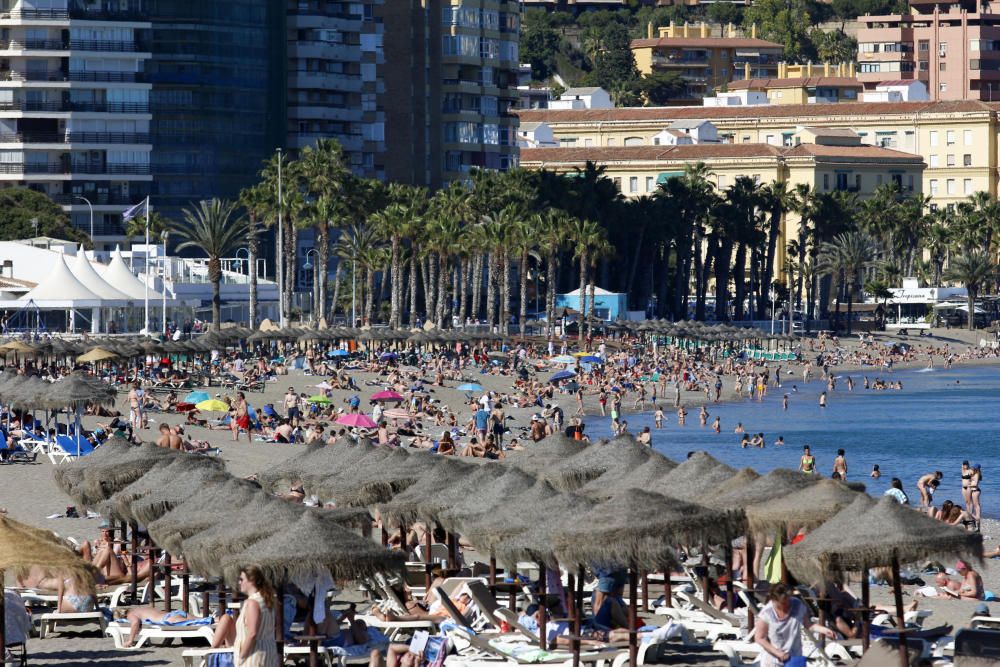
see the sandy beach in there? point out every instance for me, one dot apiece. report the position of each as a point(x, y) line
point(30, 495)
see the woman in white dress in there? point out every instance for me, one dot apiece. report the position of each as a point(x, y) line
point(779, 627)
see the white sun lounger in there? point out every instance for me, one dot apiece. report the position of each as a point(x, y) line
point(198, 657)
point(147, 633)
point(48, 623)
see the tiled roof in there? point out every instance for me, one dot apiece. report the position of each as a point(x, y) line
point(831, 131)
point(667, 114)
point(691, 152)
point(797, 82)
point(705, 42)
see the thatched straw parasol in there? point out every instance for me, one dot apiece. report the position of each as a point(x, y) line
point(805, 508)
point(383, 473)
point(311, 546)
point(593, 460)
point(23, 546)
point(648, 475)
point(636, 528)
point(543, 453)
point(96, 354)
point(92, 480)
point(439, 488)
point(775, 484)
point(512, 517)
point(544, 521)
point(696, 478)
point(871, 533)
point(162, 488)
point(30, 392)
point(316, 460)
point(78, 390)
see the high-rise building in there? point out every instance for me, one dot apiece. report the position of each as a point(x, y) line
point(74, 105)
point(451, 85)
point(218, 98)
point(953, 47)
point(335, 62)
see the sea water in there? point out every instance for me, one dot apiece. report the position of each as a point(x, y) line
point(940, 418)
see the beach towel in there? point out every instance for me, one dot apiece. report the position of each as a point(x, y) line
point(220, 660)
point(772, 566)
point(376, 640)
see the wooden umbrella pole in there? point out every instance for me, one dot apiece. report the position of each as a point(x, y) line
point(633, 616)
point(865, 603)
point(404, 543)
point(311, 631)
point(732, 577)
point(167, 581)
point(222, 597)
point(645, 591)
point(542, 633)
point(668, 593)
point(452, 551)
point(493, 573)
point(279, 619)
point(897, 594)
point(185, 588)
point(134, 587)
point(3, 617)
point(578, 617)
point(428, 563)
point(704, 576)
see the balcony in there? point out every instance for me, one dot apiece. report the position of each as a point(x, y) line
point(67, 106)
point(65, 169)
point(120, 10)
point(75, 137)
point(97, 199)
point(115, 77)
point(107, 46)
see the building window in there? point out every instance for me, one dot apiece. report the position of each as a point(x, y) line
point(943, 49)
point(909, 182)
point(967, 160)
point(841, 181)
point(934, 187)
point(878, 180)
point(924, 45)
point(633, 141)
point(588, 142)
point(857, 182)
point(950, 137)
point(650, 185)
point(942, 67)
point(633, 183)
point(746, 138)
point(826, 181)
point(618, 183)
point(934, 138)
point(950, 160)
point(933, 162)
point(967, 137)
point(967, 186)
point(722, 182)
point(949, 186)
point(611, 141)
point(943, 87)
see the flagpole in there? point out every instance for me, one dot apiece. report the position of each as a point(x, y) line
point(163, 284)
point(147, 265)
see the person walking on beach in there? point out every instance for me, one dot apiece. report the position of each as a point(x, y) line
point(822, 400)
point(966, 476)
point(840, 465)
point(927, 485)
point(779, 628)
point(240, 417)
point(807, 463)
point(975, 493)
point(659, 418)
point(136, 398)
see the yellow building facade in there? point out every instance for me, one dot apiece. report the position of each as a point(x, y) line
point(957, 141)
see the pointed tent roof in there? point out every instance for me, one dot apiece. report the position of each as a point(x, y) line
point(597, 292)
point(119, 275)
point(61, 288)
point(86, 274)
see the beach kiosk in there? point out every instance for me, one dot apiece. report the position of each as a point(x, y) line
point(912, 307)
point(608, 306)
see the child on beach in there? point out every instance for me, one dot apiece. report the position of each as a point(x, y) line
point(659, 418)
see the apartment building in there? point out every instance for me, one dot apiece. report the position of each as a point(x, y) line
point(957, 141)
point(953, 47)
point(452, 88)
point(706, 61)
point(335, 62)
point(74, 105)
point(820, 84)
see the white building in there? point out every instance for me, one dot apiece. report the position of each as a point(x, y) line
point(583, 98)
point(683, 132)
point(897, 91)
point(74, 106)
point(535, 135)
point(736, 98)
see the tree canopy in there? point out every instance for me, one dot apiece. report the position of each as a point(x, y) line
point(20, 207)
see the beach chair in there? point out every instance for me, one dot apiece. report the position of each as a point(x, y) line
point(198, 657)
point(50, 622)
point(710, 611)
point(67, 448)
point(147, 633)
point(486, 649)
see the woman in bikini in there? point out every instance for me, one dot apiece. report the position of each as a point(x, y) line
point(975, 494)
point(966, 476)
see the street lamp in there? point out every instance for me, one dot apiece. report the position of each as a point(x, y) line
point(774, 296)
point(163, 282)
point(281, 248)
point(91, 207)
point(316, 269)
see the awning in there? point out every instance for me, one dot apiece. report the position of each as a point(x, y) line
point(665, 176)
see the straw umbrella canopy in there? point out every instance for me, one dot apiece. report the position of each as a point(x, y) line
point(162, 488)
point(97, 354)
point(870, 533)
point(648, 475)
point(78, 391)
point(594, 460)
point(510, 517)
point(636, 529)
point(444, 484)
point(372, 484)
point(806, 508)
point(312, 546)
point(18, 346)
point(31, 393)
point(775, 484)
point(92, 480)
point(10, 383)
point(542, 522)
point(696, 478)
point(544, 453)
point(23, 546)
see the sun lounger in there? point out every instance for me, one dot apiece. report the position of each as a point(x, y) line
point(67, 448)
point(395, 629)
point(49, 623)
point(710, 611)
point(198, 657)
point(487, 649)
point(147, 633)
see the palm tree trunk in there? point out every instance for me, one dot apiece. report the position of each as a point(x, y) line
point(550, 294)
point(413, 287)
point(463, 308)
point(396, 281)
point(336, 288)
point(254, 248)
point(772, 248)
point(215, 275)
point(582, 301)
point(491, 302)
point(739, 279)
point(322, 265)
point(505, 293)
point(370, 296)
point(635, 260)
point(442, 283)
point(722, 274)
point(477, 285)
point(522, 314)
point(593, 309)
point(428, 276)
point(289, 269)
point(971, 302)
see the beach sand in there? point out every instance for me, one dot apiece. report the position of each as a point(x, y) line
point(30, 495)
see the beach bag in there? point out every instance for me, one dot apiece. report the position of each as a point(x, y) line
point(772, 566)
point(436, 651)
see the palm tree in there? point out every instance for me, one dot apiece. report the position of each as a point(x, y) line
point(777, 201)
point(360, 244)
point(846, 257)
point(212, 228)
point(586, 236)
point(525, 239)
point(257, 203)
point(553, 225)
point(938, 242)
point(974, 269)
